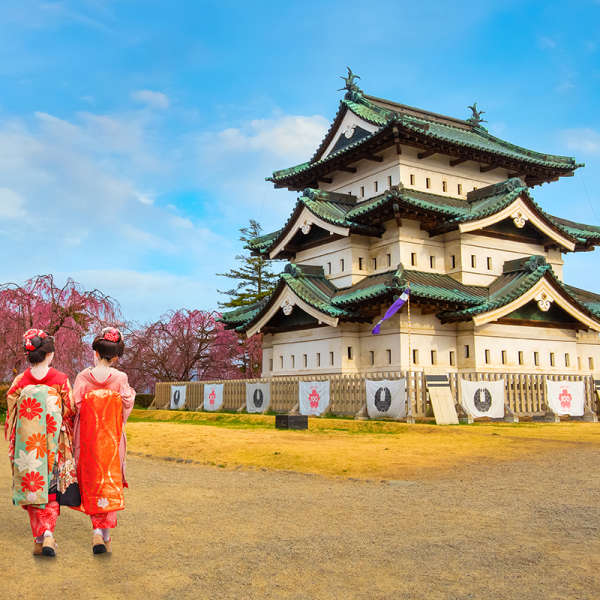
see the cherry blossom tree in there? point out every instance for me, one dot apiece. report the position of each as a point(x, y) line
point(69, 313)
point(186, 345)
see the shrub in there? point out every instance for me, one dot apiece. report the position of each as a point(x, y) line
point(3, 389)
point(143, 400)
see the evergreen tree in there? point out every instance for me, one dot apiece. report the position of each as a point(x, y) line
point(254, 277)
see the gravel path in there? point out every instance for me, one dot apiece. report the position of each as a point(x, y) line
point(527, 530)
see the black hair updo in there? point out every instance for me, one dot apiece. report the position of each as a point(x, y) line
point(109, 344)
point(37, 344)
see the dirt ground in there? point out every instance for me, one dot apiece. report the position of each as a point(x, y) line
point(525, 528)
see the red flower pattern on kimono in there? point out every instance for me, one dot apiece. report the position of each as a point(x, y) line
point(50, 424)
point(51, 459)
point(30, 409)
point(36, 442)
point(32, 482)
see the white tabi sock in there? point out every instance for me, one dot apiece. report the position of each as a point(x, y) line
point(48, 533)
point(105, 534)
point(97, 531)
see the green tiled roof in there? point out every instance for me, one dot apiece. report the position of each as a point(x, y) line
point(346, 211)
point(311, 285)
point(447, 130)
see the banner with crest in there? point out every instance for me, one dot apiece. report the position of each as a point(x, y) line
point(177, 397)
point(483, 398)
point(566, 397)
point(213, 396)
point(258, 397)
point(313, 397)
point(386, 398)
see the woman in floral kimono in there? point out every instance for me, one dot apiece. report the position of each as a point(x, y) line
point(104, 400)
point(39, 427)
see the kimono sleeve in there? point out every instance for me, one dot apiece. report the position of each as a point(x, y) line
point(12, 397)
point(127, 396)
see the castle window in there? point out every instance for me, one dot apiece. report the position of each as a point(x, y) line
point(591, 363)
point(372, 356)
point(536, 359)
point(318, 359)
point(427, 182)
point(328, 268)
point(412, 179)
point(489, 263)
point(362, 191)
point(413, 259)
point(415, 357)
point(552, 359)
point(376, 184)
point(281, 362)
point(389, 260)
point(487, 357)
point(389, 181)
point(342, 264)
point(473, 261)
point(433, 357)
point(305, 359)
point(349, 352)
point(331, 358)
point(474, 187)
point(444, 186)
point(579, 363)
point(293, 361)
point(567, 360)
point(459, 188)
point(503, 357)
point(453, 261)
point(389, 356)
point(452, 361)
point(520, 355)
point(270, 364)
point(467, 351)
point(374, 264)
point(432, 262)
point(360, 263)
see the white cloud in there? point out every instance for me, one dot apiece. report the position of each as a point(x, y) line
point(181, 222)
point(290, 137)
point(151, 98)
point(546, 42)
point(11, 204)
point(584, 140)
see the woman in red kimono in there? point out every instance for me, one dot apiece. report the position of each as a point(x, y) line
point(39, 428)
point(104, 400)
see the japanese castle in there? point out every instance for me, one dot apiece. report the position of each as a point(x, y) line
point(397, 197)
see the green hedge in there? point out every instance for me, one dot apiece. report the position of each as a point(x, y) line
point(143, 400)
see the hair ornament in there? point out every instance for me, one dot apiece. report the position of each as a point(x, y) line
point(112, 334)
point(32, 339)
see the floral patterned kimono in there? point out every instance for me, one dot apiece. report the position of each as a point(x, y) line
point(100, 443)
point(39, 426)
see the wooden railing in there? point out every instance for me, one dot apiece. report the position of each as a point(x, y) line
point(525, 392)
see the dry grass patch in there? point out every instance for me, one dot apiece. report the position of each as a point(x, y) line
point(344, 447)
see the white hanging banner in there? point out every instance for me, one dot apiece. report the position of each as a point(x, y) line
point(177, 397)
point(213, 396)
point(386, 398)
point(258, 397)
point(483, 398)
point(313, 397)
point(566, 397)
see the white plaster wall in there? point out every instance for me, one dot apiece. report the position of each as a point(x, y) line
point(349, 120)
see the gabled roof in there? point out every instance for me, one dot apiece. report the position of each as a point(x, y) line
point(327, 210)
point(521, 281)
point(481, 208)
point(398, 123)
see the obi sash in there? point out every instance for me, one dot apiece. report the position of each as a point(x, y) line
point(99, 466)
point(38, 423)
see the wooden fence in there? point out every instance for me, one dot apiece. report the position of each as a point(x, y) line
point(525, 392)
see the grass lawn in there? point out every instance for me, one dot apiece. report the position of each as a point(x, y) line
point(345, 447)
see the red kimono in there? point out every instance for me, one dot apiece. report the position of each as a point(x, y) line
point(100, 443)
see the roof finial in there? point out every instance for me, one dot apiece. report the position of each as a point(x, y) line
point(350, 79)
point(475, 118)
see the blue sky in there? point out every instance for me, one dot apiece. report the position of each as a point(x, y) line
point(135, 136)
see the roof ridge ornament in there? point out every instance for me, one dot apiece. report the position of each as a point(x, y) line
point(475, 119)
point(350, 80)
